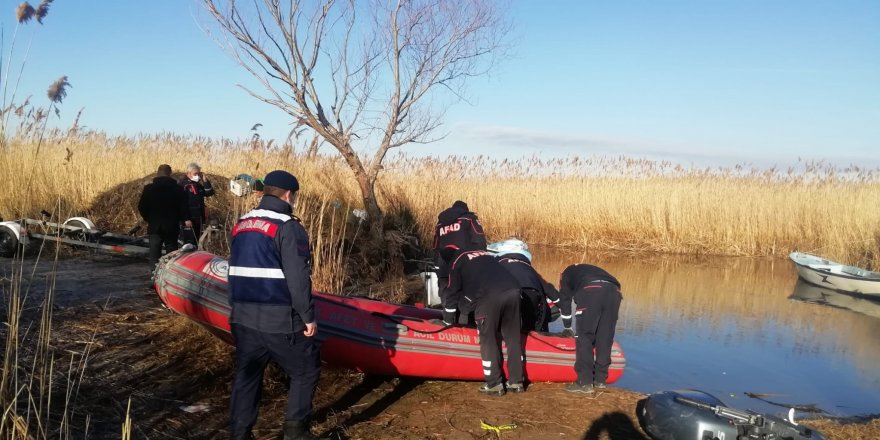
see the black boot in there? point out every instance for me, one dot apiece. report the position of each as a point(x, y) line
point(297, 430)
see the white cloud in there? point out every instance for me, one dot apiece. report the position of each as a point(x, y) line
point(491, 139)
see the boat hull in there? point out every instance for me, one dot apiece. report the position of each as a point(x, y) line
point(836, 276)
point(368, 335)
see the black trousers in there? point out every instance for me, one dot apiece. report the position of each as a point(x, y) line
point(297, 355)
point(597, 306)
point(163, 236)
point(498, 318)
point(534, 311)
point(191, 235)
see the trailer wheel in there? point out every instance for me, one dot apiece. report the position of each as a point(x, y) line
point(78, 235)
point(8, 243)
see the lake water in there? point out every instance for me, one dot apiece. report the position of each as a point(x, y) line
point(729, 326)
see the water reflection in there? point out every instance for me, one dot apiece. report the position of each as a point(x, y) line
point(727, 326)
point(813, 294)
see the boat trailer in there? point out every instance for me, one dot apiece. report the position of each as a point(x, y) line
point(16, 235)
point(77, 231)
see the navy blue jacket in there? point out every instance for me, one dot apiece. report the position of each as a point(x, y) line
point(521, 268)
point(288, 248)
point(575, 278)
point(196, 193)
point(473, 276)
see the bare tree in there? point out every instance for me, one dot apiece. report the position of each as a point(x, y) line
point(387, 69)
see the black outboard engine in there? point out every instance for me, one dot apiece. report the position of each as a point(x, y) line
point(695, 415)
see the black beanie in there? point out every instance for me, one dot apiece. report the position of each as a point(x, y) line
point(460, 204)
point(281, 179)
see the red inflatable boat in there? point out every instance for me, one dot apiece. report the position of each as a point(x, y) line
point(367, 335)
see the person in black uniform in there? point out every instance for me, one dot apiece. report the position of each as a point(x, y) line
point(539, 298)
point(460, 228)
point(273, 316)
point(163, 206)
point(197, 188)
point(478, 283)
point(597, 298)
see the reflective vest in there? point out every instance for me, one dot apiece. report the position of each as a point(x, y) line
point(255, 274)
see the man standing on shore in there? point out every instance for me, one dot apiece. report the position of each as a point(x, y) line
point(273, 313)
point(197, 188)
point(597, 298)
point(163, 206)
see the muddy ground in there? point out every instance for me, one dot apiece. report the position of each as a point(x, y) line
point(177, 377)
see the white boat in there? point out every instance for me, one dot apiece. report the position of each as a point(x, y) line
point(836, 276)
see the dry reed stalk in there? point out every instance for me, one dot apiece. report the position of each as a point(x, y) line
point(57, 91)
point(24, 12)
point(126, 425)
point(42, 10)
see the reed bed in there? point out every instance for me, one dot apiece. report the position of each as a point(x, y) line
point(601, 202)
point(643, 206)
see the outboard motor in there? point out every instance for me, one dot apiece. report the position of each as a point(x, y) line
point(695, 415)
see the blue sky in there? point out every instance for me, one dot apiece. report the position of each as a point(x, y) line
point(710, 81)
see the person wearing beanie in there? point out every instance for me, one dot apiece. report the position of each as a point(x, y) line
point(597, 298)
point(459, 228)
point(273, 312)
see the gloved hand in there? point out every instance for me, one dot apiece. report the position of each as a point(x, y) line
point(567, 332)
point(448, 317)
point(554, 312)
point(463, 319)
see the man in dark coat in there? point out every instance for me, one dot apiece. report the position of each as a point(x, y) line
point(597, 298)
point(163, 206)
point(273, 312)
point(539, 298)
point(459, 228)
point(197, 188)
point(478, 283)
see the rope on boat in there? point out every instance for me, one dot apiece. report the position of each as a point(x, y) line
point(550, 344)
point(164, 259)
point(398, 322)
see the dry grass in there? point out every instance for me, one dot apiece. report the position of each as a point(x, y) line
point(37, 382)
point(601, 203)
point(842, 430)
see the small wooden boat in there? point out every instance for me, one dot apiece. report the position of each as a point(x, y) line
point(365, 334)
point(836, 276)
point(813, 294)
